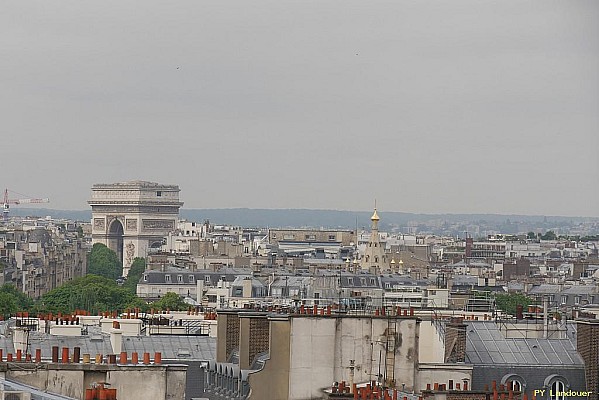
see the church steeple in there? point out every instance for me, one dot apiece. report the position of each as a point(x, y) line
point(374, 255)
point(375, 219)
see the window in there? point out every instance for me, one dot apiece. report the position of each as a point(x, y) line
point(145, 277)
point(350, 281)
point(158, 194)
point(191, 278)
point(372, 281)
point(564, 299)
point(167, 278)
point(310, 237)
point(331, 237)
point(576, 300)
point(179, 278)
point(515, 382)
point(557, 389)
point(207, 279)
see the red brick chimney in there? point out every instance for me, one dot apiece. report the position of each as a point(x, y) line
point(587, 344)
point(455, 340)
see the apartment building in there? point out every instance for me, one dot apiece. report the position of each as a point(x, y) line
point(41, 259)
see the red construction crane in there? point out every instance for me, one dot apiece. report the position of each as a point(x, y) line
point(7, 202)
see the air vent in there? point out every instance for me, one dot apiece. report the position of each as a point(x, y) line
point(14, 395)
point(183, 353)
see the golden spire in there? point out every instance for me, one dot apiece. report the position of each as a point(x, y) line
point(375, 216)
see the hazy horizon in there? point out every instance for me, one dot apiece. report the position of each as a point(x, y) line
point(429, 107)
point(21, 210)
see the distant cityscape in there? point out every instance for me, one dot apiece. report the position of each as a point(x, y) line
point(300, 304)
point(456, 225)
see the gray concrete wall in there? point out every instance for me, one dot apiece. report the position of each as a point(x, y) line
point(154, 382)
point(272, 382)
point(321, 350)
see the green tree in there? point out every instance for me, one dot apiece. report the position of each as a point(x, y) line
point(509, 301)
point(104, 262)
point(92, 293)
point(8, 304)
point(21, 300)
point(589, 238)
point(171, 301)
point(140, 303)
point(549, 235)
point(138, 266)
point(531, 235)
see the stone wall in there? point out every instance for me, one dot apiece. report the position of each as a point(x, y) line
point(148, 382)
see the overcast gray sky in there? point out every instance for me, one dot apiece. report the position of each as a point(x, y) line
point(462, 106)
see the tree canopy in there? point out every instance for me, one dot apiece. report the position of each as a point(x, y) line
point(509, 301)
point(8, 304)
point(138, 266)
point(549, 235)
point(171, 301)
point(91, 292)
point(104, 262)
point(21, 300)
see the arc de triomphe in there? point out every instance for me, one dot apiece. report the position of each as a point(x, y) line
point(133, 217)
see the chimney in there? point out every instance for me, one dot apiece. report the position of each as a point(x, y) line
point(247, 288)
point(455, 340)
point(116, 338)
point(199, 290)
point(20, 337)
point(587, 337)
point(519, 312)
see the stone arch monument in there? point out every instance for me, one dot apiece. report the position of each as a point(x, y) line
point(133, 217)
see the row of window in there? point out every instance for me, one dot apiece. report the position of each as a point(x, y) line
point(190, 278)
point(564, 299)
point(556, 385)
point(376, 258)
point(350, 281)
point(332, 238)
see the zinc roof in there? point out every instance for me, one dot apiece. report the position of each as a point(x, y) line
point(485, 344)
